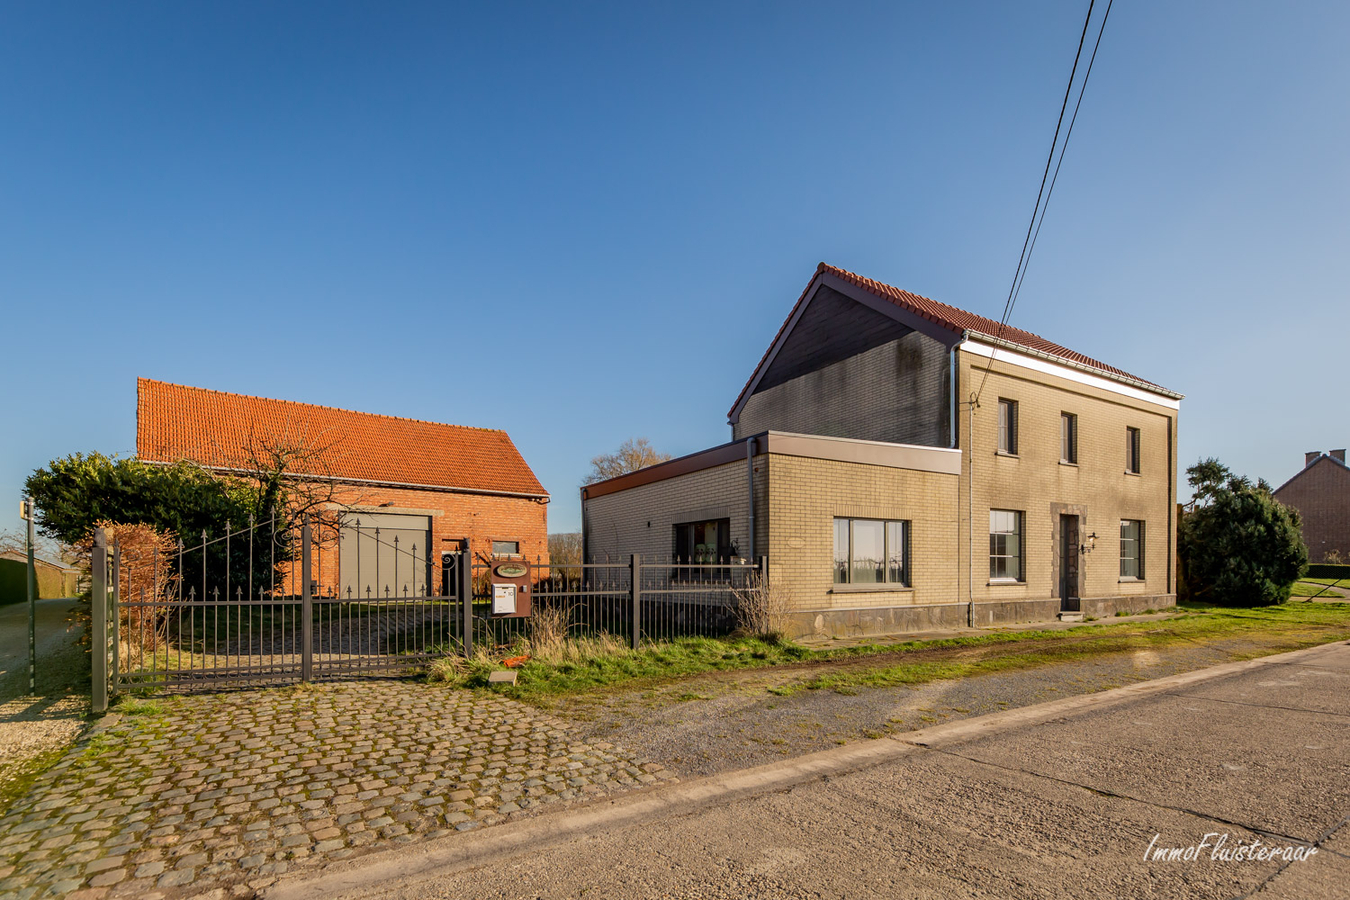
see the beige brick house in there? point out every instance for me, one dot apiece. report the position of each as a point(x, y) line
point(884, 499)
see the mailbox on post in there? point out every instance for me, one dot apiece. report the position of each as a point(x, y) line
point(510, 588)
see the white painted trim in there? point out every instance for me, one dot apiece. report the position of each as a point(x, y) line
point(1068, 372)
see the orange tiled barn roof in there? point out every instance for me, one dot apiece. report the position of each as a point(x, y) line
point(215, 428)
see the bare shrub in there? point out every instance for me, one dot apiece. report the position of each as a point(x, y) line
point(148, 575)
point(548, 630)
point(1333, 557)
point(763, 607)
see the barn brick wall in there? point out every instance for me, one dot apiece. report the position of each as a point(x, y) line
point(481, 518)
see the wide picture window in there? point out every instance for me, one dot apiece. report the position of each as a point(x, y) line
point(871, 551)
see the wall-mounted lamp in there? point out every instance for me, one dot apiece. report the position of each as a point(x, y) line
point(1089, 542)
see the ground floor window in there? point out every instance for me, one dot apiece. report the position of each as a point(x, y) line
point(1005, 545)
point(703, 542)
point(506, 548)
point(1131, 548)
point(871, 551)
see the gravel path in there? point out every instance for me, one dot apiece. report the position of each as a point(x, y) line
point(712, 724)
point(32, 726)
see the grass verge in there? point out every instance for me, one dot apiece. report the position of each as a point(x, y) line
point(1279, 629)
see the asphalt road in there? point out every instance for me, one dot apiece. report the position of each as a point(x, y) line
point(53, 636)
point(1063, 800)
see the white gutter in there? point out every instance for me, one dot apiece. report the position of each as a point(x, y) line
point(986, 346)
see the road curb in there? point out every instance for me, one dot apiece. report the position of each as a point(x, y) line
point(460, 851)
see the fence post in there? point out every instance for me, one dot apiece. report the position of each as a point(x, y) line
point(32, 606)
point(306, 606)
point(635, 594)
point(99, 603)
point(116, 617)
point(466, 596)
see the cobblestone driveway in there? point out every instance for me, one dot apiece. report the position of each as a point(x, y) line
point(222, 793)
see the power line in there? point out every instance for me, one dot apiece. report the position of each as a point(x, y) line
point(1042, 196)
point(1068, 134)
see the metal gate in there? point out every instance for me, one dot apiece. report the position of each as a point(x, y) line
point(277, 602)
point(266, 604)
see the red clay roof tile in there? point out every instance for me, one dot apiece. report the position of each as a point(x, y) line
point(216, 429)
point(949, 317)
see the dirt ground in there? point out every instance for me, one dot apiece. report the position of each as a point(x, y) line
point(730, 720)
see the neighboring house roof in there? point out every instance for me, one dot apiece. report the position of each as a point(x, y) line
point(1324, 458)
point(217, 429)
point(945, 317)
point(22, 557)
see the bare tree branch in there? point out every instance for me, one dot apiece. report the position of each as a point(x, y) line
point(633, 454)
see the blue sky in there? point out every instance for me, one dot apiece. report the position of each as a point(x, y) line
point(584, 222)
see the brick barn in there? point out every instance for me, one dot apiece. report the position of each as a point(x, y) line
point(430, 486)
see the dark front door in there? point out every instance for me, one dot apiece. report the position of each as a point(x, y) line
point(1068, 563)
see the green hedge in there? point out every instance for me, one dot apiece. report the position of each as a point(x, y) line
point(1328, 570)
point(14, 582)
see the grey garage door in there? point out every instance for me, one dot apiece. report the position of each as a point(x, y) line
point(383, 555)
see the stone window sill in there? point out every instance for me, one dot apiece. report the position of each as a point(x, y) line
point(1006, 455)
point(1005, 582)
point(1134, 474)
point(1065, 462)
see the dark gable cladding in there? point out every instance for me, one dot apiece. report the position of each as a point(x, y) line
point(848, 371)
point(832, 328)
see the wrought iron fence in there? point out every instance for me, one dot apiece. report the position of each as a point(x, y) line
point(631, 602)
point(263, 603)
point(274, 602)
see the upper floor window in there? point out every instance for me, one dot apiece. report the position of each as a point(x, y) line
point(1068, 438)
point(1131, 548)
point(871, 551)
point(1132, 450)
point(1007, 426)
point(1005, 545)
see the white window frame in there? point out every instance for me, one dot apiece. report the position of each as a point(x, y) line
point(1138, 545)
point(1007, 426)
point(1019, 529)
